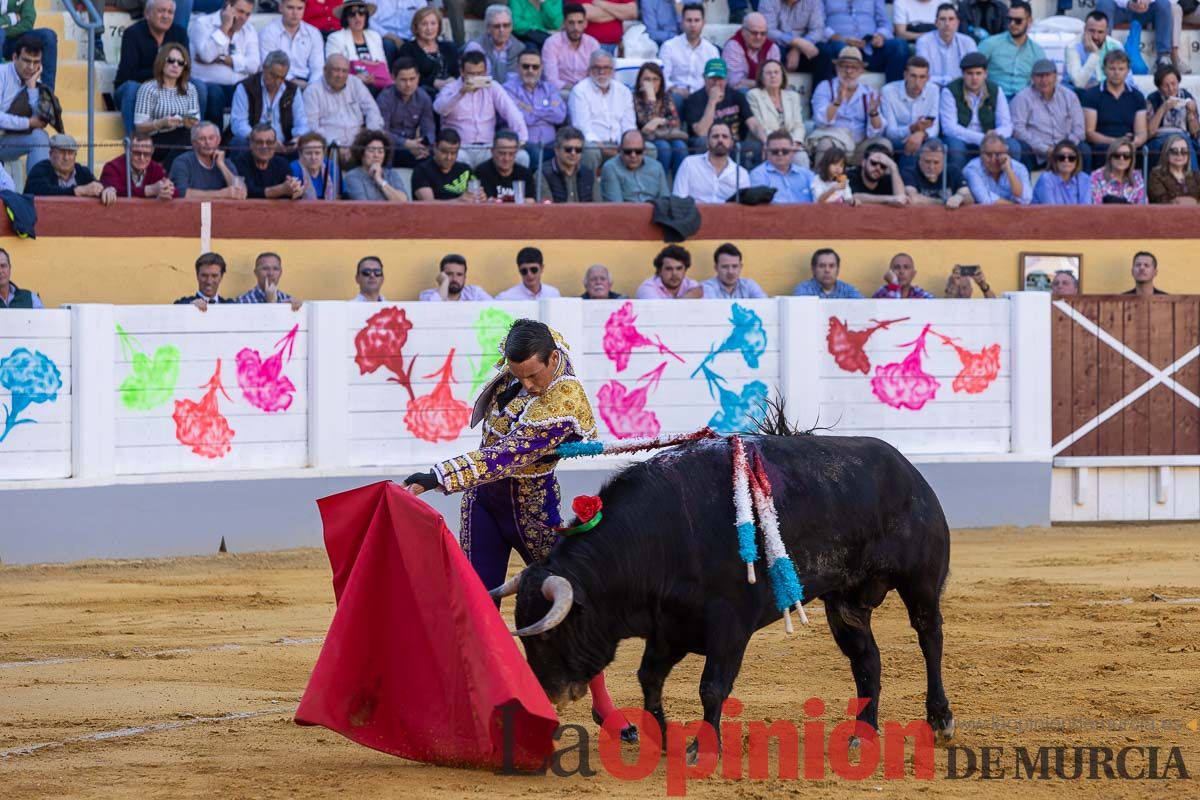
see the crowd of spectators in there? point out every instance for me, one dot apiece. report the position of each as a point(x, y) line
point(670, 280)
point(967, 86)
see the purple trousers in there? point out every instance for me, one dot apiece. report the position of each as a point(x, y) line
point(505, 515)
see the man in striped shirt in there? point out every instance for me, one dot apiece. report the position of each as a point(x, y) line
point(268, 269)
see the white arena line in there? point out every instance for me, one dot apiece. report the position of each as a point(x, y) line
point(174, 651)
point(124, 733)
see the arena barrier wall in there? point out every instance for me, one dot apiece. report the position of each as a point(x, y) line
point(1126, 408)
point(244, 405)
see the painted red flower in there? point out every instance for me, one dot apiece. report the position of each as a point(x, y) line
point(624, 411)
point(906, 384)
point(621, 336)
point(586, 506)
point(380, 344)
point(978, 369)
point(438, 416)
point(847, 346)
point(201, 426)
point(262, 382)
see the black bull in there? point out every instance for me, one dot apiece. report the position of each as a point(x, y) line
point(857, 518)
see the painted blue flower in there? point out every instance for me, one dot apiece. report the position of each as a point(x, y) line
point(747, 336)
point(738, 412)
point(32, 378)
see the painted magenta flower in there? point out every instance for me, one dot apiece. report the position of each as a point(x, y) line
point(201, 426)
point(621, 336)
point(381, 343)
point(151, 379)
point(905, 384)
point(438, 416)
point(624, 411)
point(848, 346)
point(263, 383)
point(31, 377)
point(978, 369)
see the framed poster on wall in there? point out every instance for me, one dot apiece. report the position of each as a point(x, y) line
point(1036, 272)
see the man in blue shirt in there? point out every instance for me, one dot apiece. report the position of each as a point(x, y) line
point(996, 178)
point(792, 184)
point(728, 283)
point(660, 19)
point(826, 264)
point(1011, 55)
point(867, 27)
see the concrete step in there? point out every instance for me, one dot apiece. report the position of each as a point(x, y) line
point(109, 128)
point(72, 84)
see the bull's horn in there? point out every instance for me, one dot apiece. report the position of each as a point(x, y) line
point(507, 588)
point(560, 592)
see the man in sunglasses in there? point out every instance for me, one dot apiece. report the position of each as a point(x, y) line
point(532, 267)
point(139, 46)
point(630, 178)
point(369, 277)
point(1044, 114)
point(792, 184)
point(1011, 55)
point(877, 179)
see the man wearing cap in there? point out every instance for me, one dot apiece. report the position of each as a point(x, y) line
point(797, 26)
point(747, 50)
point(716, 102)
point(60, 176)
point(971, 107)
point(945, 47)
point(844, 107)
point(1012, 54)
point(224, 53)
point(864, 26)
point(1046, 113)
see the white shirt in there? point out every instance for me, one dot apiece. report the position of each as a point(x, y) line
point(899, 110)
point(305, 50)
point(699, 180)
point(209, 41)
point(910, 12)
point(339, 116)
point(342, 43)
point(602, 116)
point(519, 292)
point(683, 65)
point(360, 299)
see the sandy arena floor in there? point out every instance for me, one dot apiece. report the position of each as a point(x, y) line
point(1040, 624)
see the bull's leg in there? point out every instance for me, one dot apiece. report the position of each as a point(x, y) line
point(658, 660)
point(925, 615)
point(716, 683)
point(851, 629)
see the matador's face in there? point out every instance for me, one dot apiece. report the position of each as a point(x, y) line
point(535, 374)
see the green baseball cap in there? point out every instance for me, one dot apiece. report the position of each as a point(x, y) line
point(715, 68)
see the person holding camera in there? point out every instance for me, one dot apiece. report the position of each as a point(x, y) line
point(963, 280)
point(471, 104)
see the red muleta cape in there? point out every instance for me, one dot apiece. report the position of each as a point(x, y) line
point(417, 661)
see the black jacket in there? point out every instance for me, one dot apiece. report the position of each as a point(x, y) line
point(138, 51)
point(43, 180)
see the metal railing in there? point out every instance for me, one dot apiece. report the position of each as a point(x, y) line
point(94, 24)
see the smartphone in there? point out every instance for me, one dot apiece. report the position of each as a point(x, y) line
point(481, 81)
point(968, 270)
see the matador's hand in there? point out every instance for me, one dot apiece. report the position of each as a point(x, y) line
point(421, 482)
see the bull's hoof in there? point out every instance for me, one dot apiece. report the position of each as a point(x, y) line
point(629, 734)
point(693, 753)
point(943, 732)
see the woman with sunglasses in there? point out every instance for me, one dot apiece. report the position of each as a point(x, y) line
point(167, 106)
point(777, 109)
point(657, 117)
point(436, 61)
point(1117, 181)
point(1173, 181)
point(1064, 183)
point(363, 48)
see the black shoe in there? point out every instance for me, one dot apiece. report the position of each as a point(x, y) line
point(629, 734)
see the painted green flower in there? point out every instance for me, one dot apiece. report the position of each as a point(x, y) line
point(490, 329)
point(151, 380)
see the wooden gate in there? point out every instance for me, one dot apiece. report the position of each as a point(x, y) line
point(1125, 375)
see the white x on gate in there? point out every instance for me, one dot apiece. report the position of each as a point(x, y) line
point(1157, 376)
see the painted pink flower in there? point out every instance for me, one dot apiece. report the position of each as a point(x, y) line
point(624, 411)
point(621, 336)
point(201, 426)
point(906, 384)
point(438, 416)
point(263, 383)
point(380, 344)
point(847, 346)
point(978, 369)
